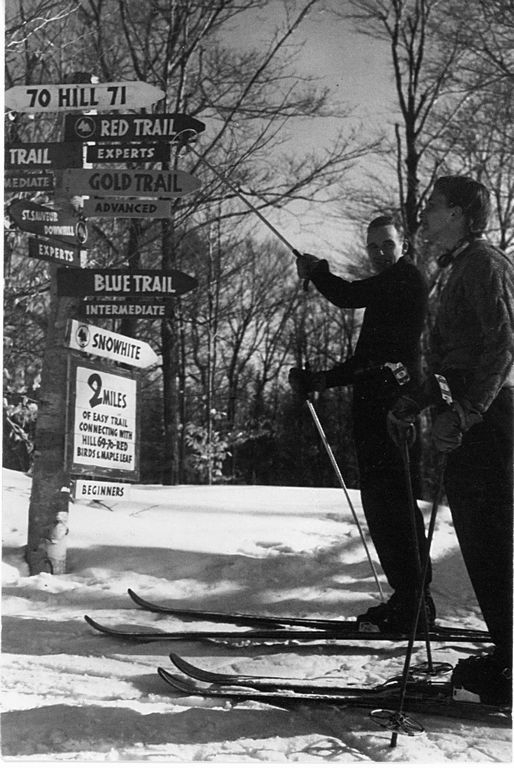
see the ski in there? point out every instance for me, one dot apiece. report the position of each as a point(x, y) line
point(265, 683)
point(428, 698)
point(253, 620)
point(266, 634)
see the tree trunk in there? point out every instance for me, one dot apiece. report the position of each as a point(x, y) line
point(48, 510)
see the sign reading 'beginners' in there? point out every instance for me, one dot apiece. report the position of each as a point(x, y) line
point(104, 435)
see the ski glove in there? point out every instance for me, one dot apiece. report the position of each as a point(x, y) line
point(450, 425)
point(400, 421)
point(302, 382)
point(306, 264)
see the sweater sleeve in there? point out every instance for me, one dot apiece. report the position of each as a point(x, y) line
point(344, 293)
point(490, 290)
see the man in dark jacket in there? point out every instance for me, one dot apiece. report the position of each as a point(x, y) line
point(395, 300)
point(472, 346)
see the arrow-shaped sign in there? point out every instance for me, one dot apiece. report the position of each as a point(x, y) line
point(119, 282)
point(50, 97)
point(173, 127)
point(40, 220)
point(118, 183)
point(114, 346)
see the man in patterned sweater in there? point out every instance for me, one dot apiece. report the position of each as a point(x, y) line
point(472, 346)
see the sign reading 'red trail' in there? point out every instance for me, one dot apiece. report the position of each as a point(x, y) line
point(171, 127)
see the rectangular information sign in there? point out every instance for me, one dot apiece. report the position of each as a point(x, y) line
point(56, 252)
point(113, 207)
point(103, 415)
point(40, 155)
point(127, 153)
point(129, 183)
point(157, 309)
point(89, 490)
point(23, 181)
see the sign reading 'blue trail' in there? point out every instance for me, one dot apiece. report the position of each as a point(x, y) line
point(119, 282)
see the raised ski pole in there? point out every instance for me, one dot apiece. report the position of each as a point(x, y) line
point(281, 237)
point(345, 490)
point(406, 667)
point(242, 197)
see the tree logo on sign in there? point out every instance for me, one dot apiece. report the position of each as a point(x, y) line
point(81, 231)
point(84, 127)
point(82, 335)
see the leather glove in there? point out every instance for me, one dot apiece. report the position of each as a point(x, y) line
point(450, 425)
point(400, 421)
point(306, 263)
point(302, 382)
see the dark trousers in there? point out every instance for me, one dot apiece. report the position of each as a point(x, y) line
point(479, 486)
point(384, 495)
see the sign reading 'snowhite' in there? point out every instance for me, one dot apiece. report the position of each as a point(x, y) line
point(104, 435)
point(99, 341)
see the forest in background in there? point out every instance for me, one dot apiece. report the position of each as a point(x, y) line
point(218, 408)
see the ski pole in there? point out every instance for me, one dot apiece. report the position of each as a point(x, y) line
point(412, 639)
point(415, 543)
point(343, 486)
point(245, 200)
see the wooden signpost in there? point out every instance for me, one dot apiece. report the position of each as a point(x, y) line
point(118, 282)
point(81, 96)
point(158, 152)
point(26, 181)
point(110, 207)
point(58, 253)
point(40, 220)
point(133, 183)
point(114, 346)
point(172, 127)
point(39, 155)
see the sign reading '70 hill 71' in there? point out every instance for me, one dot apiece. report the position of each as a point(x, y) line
point(54, 97)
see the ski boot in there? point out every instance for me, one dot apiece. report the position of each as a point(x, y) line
point(397, 615)
point(486, 679)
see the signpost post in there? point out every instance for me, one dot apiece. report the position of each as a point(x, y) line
point(129, 183)
point(51, 97)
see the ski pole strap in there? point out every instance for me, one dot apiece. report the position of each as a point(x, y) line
point(399, 372)
point(444, 388)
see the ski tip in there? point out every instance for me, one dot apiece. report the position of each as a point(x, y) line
point(90, 621)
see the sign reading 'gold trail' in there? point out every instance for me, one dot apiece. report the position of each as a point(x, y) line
point(118, 183)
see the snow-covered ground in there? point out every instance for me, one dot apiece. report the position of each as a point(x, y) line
point(72, 694)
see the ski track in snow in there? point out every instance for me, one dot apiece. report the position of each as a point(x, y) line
point(71, 694)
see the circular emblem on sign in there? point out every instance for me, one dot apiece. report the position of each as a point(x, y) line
point(82, 335)
point(81, 231)
point(84, 127)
